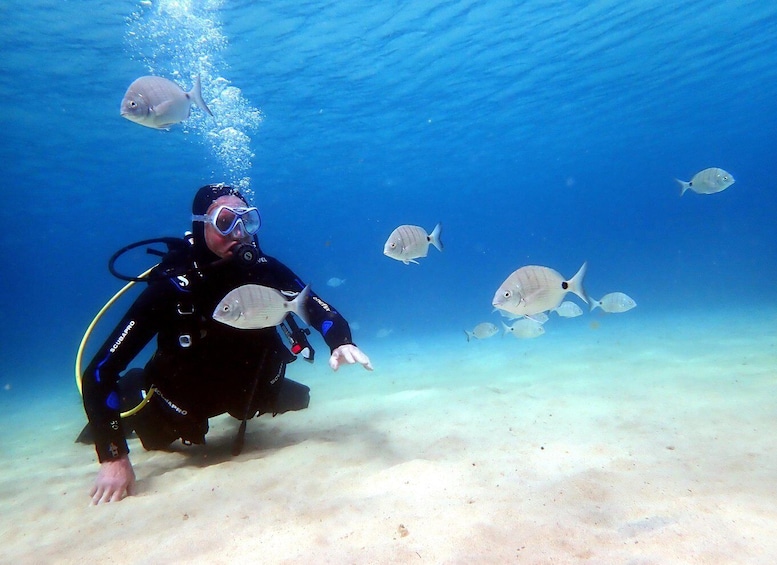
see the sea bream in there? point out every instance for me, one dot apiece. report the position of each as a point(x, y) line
point(253, 307)
point(407, 243)
point(614, 303)
point(568, 309)
point(524, 328)
point(708, 181)
point(158, 103)
point(482, 331)
point(334, 282)
point(533, 289)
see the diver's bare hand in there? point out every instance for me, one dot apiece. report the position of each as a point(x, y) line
point(115, 480)
point(349, 353)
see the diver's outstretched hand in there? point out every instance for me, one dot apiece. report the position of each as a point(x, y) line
point(115, 480)
point(349, 353)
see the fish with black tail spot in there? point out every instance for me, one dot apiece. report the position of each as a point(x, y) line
point(482, 331)
point(533, 289)
point(158, 103)
point(408, 243)
point(614, 303)
point(708, 181)
point(253, 307)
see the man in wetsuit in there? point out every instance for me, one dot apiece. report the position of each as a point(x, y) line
point(201, 368)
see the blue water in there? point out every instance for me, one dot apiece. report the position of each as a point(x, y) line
point(537, 132)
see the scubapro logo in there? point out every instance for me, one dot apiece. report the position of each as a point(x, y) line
point(123, 336)
point(323, 304)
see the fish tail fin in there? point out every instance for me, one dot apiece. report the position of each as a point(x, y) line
point(505, 329)
point(196, 94)
point(683, 186)
point(299, 305)
point(594, 304)
point(434, 237)
point(576, 283)
point(468, 334)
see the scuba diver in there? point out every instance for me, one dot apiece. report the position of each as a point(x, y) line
point(201, 368)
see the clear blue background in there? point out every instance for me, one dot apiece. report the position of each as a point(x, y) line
point(538, 132)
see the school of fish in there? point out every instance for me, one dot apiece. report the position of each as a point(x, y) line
point(526, 296)
point(528, 293)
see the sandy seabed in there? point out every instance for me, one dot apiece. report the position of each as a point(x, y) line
point(613, 441)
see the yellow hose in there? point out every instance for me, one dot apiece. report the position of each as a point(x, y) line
point(88, 333)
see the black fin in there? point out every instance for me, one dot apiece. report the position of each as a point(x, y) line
point(86, 436)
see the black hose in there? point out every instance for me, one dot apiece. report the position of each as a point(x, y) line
point(171, 242)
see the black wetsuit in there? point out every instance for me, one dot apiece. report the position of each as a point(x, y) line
point(201, 368)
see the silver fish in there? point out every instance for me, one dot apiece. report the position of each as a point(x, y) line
point(568, 309)
point(614, 303)
point(525, 328)
point(334, 282)
point(158, 103)
point(482, 331)
point(253, 306)
point(708, 181)
point(407, 243)
point(534, 289)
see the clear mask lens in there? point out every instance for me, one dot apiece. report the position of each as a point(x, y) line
point(226, 220)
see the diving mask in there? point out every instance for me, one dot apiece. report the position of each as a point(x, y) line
point(225, 219)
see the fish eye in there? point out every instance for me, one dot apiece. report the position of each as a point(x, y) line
point(225, 308)
point(508, 293)
point(133, 104)
point(393, 245)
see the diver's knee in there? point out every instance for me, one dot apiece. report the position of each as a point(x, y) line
point(157, 427)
